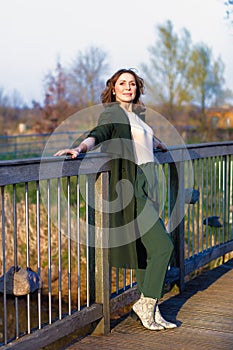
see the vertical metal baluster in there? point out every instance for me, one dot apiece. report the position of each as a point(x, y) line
point(49, 252)
point(207, 201)
point(202, 204)
point(218, 197)
point(59, 248)
point(215, 199)
point(226, 199)
point(131, 278)
point(193, 209)
point(27, 250)
point(219, 194)
point(198, 207)
point(224, 195)
point(218, 207)
point(124, 279)
point(15, 258)
point(188, 224)
point(228, 195)
point(38, 247)
point(193, 216)
point(117, 280)
point(190, 185)
point(69, 243)
point(4, 263)
point(78, 243)
point(87, 242)
point(188, 229)
point(211, 197)
point(231, 197)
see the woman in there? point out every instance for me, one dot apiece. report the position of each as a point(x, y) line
point(137, 238)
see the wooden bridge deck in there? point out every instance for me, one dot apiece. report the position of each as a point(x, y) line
point(204, 313)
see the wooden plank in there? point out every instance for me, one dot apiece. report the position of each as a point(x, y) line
point(53, 167)
point(123, 299)
point(33, 169)
point(58, 329)
point(188, 152)
point(102, 280)
point(205, 257)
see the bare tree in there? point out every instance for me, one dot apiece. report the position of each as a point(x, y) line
point(69, 90)
point(4, 100)
point(55, 84)
point(55, 107)
point(86, 77)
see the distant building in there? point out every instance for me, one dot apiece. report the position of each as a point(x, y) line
point(221, 118)
point(22, 128)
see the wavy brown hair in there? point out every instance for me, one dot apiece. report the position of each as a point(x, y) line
point(107, 94)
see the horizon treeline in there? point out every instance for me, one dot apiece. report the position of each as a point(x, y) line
point(181, 77)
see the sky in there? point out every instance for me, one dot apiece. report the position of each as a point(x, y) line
point(34, 34)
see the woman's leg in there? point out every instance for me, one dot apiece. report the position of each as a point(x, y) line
point(159, 248)
point(151, 279)
point(140, 276)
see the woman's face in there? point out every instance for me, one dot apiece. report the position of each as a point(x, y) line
point(125, 88)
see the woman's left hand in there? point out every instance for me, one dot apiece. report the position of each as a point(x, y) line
point(162, 146)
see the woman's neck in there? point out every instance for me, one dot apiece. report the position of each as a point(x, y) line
point(127, 106)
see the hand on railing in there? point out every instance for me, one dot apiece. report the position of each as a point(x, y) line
point(84, 147)
point(74, 152)
point(162, 146)
point(159, 144)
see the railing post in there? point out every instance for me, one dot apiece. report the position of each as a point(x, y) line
point(177, 217)
point(102, 287)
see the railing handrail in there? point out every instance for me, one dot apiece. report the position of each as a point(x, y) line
point(8, 174)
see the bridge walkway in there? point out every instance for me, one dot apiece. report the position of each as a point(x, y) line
point(203, 312)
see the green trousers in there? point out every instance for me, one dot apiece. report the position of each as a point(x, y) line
point(157, 242)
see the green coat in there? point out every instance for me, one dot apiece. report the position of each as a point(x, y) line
point(113, 132)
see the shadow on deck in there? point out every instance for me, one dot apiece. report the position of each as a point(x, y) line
point(203, 311)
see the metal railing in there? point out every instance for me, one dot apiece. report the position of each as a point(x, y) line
point(53, 225)
point(32, 145)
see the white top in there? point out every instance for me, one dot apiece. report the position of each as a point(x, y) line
point(142, 135)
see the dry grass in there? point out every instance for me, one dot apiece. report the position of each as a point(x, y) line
point(47, 262)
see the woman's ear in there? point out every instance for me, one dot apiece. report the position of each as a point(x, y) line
point(113, 92)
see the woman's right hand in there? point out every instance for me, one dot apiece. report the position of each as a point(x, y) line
point(83, 147)
point(74, 152)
